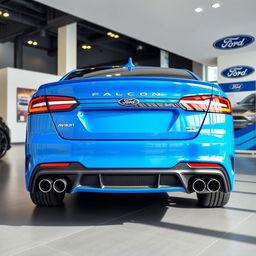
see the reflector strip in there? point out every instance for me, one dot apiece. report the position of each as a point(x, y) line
point(203, 164)
point(55, 165)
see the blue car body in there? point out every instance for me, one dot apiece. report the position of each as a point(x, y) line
point(129, 125)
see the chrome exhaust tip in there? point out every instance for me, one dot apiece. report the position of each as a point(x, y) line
point(60, 185)
point(213, 185)
point(45, 185)
point(198, 185)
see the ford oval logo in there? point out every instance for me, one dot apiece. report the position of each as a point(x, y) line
point(233, 42)
point(236, 87)
point(237, 71)
point(129, 102)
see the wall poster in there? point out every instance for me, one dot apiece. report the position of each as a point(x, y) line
point(23, 97)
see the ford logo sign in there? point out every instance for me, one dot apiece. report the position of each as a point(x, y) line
point(236, 87)
point(237, 71)
point(128, 102)
point(233, 42)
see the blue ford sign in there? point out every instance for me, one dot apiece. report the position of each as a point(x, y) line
point(233, 42)
point(237, 71)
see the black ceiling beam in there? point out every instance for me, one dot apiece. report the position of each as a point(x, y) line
point(31, 5)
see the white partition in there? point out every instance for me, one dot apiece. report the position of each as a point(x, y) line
point(11, 79)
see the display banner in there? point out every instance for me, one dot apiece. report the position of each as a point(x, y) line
point(242, 96)
point(23, 97)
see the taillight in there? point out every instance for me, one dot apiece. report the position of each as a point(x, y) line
point(195, 164)
point(203, 103)
point(43, 104)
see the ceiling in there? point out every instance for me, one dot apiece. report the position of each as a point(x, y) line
point(171, 24)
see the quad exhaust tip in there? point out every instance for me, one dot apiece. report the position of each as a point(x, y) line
point(199, 185)
point(60, 185)
point(213, 185)
point(45, 185)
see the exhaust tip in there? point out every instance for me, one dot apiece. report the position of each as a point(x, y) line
point(213, 185)
point(60, 185)
point(45, 185)
point(198, 185)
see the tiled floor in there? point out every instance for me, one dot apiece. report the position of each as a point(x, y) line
point(89, 224)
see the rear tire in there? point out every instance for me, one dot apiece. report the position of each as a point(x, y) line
point(215, 199)
point(47, 199)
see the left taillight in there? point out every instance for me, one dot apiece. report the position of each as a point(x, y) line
point(44, 104)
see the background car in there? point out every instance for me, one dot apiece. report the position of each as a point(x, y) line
point(4, 138)
point(244, 113)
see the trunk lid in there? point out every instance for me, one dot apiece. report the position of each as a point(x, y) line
point(101, 115)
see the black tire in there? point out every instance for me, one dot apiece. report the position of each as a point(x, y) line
point(47, 199)
point(4, 143)
point(216, 199)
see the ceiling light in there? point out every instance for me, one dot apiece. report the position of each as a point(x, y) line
point(86, 47)
point(111, 34)
point(1, 12)
point(31, 42)
point(6, 14)
point(198, 9)
point(108, 75)
point(216, 5)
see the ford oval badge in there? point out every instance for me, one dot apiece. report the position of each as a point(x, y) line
point(237, 71)
point(129, 102)
point(233, 42)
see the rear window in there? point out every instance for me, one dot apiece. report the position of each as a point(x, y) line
point(135, 72)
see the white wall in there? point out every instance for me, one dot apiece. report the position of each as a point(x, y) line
point(11, 79)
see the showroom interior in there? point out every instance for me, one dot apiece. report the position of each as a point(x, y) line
point(41, 41)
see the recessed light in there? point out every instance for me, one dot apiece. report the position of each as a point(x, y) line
point(198, 9)
point(113, 35)
point(6, 14)
point(86, 47)
point(35, 43)
point(29, 42)
point(216, 5)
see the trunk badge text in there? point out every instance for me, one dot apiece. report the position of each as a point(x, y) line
point(66, 125)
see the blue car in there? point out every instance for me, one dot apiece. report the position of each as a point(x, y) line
point(130, 129)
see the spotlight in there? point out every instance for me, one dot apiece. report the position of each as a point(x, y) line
point(199, 9)
point(216, 5)
point(111, 34)
point(86, 47)
point(31, 42)
point(6, 14)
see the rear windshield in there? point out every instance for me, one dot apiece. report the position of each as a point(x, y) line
point(135, 72)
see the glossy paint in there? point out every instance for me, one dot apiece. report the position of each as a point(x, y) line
point(212, 141)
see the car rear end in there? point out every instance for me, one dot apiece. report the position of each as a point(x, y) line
point(143, 130)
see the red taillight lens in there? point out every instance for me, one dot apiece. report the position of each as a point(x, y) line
point(43, 104)
point(203, 103)
point(55, 165)
point(195, 164)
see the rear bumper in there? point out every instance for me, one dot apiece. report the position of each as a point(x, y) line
point(215, 143)
point(178, 178)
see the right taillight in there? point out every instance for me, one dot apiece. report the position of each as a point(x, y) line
point(203, 103)
point(44, 104)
